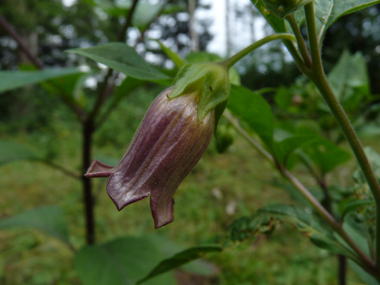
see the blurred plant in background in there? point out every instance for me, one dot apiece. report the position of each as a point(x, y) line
point(289, 124)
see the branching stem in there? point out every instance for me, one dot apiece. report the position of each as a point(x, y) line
point(305, 193)
point(319, 78)
point(235, 58)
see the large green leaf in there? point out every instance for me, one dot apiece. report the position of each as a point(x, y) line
point(286, 146)
point(14, 79)
point(180, 259)
point(122, 58)
point(11, 151)
point(328, 11)
point(254, 110)
point(122, 261)
point(49, 219)
point(325, 155)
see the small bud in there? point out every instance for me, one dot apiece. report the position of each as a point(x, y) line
point(283, 8)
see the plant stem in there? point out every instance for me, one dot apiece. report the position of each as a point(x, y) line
point(62, 169)
point(306, 194)
point(235, 58)
point(301, 43)
point(87, 132)
point(319, 78)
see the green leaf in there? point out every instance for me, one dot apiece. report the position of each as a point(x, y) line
point(178, 61)
point(11, 151)
point(122, 261)
point(328, 11)
point(325, 155)
point(283, 98)
point(276, 23)
point(349, 74)
point(307, 223)
point(364, 276)
point(254, 110)
point(122, 58)
point(356, 204)
point(180, 259)
point(49, 219)
point(169, 248)
point(14, 79)
point(285, 147)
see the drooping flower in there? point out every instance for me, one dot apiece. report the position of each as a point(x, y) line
point(171, 139)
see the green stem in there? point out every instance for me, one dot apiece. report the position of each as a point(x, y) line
point(319, 78)
point(235, 58)
point(364, 259)
point(301, 43)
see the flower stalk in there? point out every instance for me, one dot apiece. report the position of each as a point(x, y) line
point(235, 58)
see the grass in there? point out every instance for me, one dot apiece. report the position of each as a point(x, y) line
point(220, 189)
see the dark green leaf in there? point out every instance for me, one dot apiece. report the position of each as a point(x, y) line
point(14, 79)
point(285, 147)
point(122, 261)
point(122, 58)
point(11, 151)
point(254, 110)
point(49, 219)
point(325, 154)
point(356, 204)
point(180, 259)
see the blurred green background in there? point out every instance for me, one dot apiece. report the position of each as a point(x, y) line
point(221, 188)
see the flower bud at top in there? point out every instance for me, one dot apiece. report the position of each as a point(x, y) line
point(282, 8)
point(171, 139)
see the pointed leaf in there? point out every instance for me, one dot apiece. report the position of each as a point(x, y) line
point(122, 261)
point(14, 79)
point(180, 259)
point(122, 58)
point(49, 219)
point(254, 110)
point(325, 154)
point(328, 11)
point(178, 61)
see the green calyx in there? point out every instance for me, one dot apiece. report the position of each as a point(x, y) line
point(283, 8)
point(212, 83)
